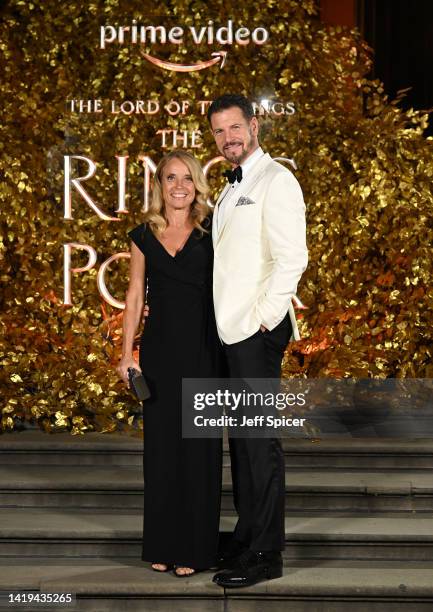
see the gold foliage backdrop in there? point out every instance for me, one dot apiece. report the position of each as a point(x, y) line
point(364, 166)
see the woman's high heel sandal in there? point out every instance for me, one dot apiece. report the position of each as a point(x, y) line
point(168, 567)
point(186, 575)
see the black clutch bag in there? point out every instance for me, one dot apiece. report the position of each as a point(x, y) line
point(138, 384)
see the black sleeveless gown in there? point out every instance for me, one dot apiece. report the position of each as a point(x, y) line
point(182, 477)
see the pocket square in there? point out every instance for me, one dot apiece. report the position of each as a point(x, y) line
point(244, 201)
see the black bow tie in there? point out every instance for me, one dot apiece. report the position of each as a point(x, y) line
point(234, 175)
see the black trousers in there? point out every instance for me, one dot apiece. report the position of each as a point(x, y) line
point(258, 463)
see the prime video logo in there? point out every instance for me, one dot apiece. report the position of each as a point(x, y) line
point(177, 35)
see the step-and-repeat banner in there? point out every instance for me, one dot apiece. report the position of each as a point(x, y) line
point(94, 94)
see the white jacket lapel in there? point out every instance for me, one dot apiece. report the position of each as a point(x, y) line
point(245, 187)
point(215, 214)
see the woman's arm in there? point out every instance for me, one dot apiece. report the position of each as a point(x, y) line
point(133, 311)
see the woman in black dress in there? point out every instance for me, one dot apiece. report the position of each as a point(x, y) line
point(172, 252)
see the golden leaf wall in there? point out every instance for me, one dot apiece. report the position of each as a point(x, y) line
point(364, 166)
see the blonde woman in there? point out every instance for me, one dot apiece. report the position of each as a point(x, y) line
point(172, 250)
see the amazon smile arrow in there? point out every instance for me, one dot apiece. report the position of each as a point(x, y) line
point(219, 56)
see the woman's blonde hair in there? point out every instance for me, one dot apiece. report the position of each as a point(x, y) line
point(156, 216)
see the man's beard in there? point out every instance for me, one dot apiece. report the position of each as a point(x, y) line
point(240, 158)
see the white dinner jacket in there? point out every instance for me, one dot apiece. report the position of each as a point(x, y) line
point(260, 251)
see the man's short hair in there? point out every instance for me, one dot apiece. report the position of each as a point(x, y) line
point(229, 101)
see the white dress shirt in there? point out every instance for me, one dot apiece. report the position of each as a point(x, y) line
point(246, 168)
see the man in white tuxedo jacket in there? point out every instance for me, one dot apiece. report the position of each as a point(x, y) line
point(260, 254)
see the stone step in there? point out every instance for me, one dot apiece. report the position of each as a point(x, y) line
point(73, 533)
point(74, 486)
point(129, 584)
point(34, 447)
point(359, 453)
point(351, 491)
point(120, 487)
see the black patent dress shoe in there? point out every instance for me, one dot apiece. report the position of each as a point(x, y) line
point(250, 568)
point(228, 558)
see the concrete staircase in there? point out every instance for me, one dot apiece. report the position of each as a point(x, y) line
point(359, 529)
